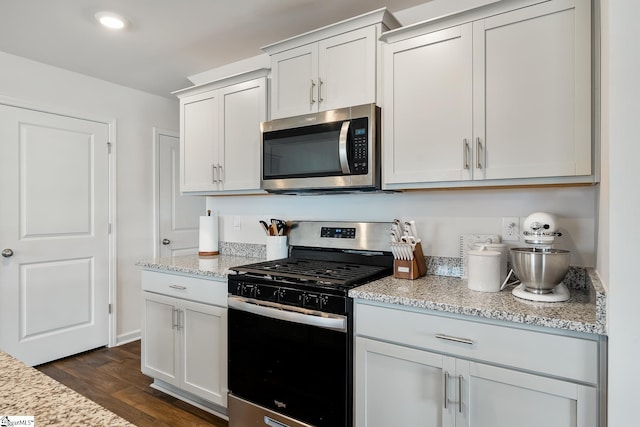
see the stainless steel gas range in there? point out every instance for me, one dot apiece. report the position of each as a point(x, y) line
point(290, 326)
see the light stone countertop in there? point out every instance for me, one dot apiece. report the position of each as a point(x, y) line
point(584, 312)
point(208, 267)
point(26, 391)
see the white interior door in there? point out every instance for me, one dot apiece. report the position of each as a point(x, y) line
point(178, 216)
point(54, 222)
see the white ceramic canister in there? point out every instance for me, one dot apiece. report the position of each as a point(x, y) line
point(504, 255)
point(484, 270)
point(277, 247)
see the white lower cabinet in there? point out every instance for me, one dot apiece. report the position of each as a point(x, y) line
point(184, 342)
point(401, 381)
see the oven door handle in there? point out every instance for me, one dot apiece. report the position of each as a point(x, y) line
point(289, 313)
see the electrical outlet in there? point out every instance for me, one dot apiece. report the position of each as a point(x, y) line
point(510, 229)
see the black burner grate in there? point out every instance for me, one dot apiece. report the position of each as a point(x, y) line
point(313, 270)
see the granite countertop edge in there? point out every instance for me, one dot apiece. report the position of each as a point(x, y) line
point(217, 267)
point(585, 312)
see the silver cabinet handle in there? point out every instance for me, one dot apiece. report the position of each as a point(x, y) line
point(180, 319)
point(342, 148)
point(320, 83)
point(178, 287)
point(311, 92)
point(478, 149)
point(220, 176)
point(446, 380)
point(7, 253)
point(455, 339)
point(465, 153)
point(174, 318)
point(166, 242)
point(214, 169)
point(460, 393)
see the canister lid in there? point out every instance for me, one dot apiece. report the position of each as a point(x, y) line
point(484, 252)
point(490, 246)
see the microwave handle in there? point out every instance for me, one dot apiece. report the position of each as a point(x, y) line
point(342, 148)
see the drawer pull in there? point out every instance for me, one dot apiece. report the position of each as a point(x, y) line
point(456, 339)
point(178, 287)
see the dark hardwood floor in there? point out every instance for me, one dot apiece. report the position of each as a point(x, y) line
point(112, 378)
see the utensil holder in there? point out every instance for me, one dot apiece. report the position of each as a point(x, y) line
point(277, 247)
point(410, 269)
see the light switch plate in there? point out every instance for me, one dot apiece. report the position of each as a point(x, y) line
point(237, 223)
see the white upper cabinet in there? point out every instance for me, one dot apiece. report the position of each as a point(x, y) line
point(243, 107)
point(532, 91)
point(220, 137)
point(294, 81)
point(199, 141)
point(428, 110)
point(347, 69)
point(494, 101)
point(333, 67)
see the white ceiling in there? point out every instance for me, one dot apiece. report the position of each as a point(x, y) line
point(167, 40)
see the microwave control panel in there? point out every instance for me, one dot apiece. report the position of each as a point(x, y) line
point(359, 135)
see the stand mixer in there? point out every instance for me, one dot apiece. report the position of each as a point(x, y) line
point(539, 267)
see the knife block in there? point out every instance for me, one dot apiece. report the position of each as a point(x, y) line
point(410, 269)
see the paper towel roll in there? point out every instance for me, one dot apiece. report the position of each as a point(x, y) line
point(208, 236)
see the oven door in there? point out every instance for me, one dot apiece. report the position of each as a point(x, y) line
point(292, 361)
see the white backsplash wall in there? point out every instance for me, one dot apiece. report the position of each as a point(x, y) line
point(441, 215)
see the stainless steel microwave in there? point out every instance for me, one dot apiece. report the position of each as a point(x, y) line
point(337, 150)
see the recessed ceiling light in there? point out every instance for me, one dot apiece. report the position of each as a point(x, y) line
point(111, 20)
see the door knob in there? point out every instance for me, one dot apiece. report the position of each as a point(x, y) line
point(7, 253)
point(166, 242)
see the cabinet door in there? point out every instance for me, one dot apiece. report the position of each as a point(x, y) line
point(532, 97)
point(427, 116)
point(199, 136)
point(499, 397)
point(294, 79)
point(400, 386)
point(243, 107)
point(347, 69)
point(160, 349)
point(204, 341)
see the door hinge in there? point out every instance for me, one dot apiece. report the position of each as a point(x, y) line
point(110, 308)
point(109, 147)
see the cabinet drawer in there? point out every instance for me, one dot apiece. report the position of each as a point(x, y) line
point(562, 356)
point(190, 288)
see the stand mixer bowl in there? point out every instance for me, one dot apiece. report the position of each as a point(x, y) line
point(540, 270)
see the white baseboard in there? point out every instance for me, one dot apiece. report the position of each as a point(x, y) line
point(128, 337)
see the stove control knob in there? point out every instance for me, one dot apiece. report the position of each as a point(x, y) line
point(311, 301)
point(324, 301)
point(239, 289)
point(248, 291)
